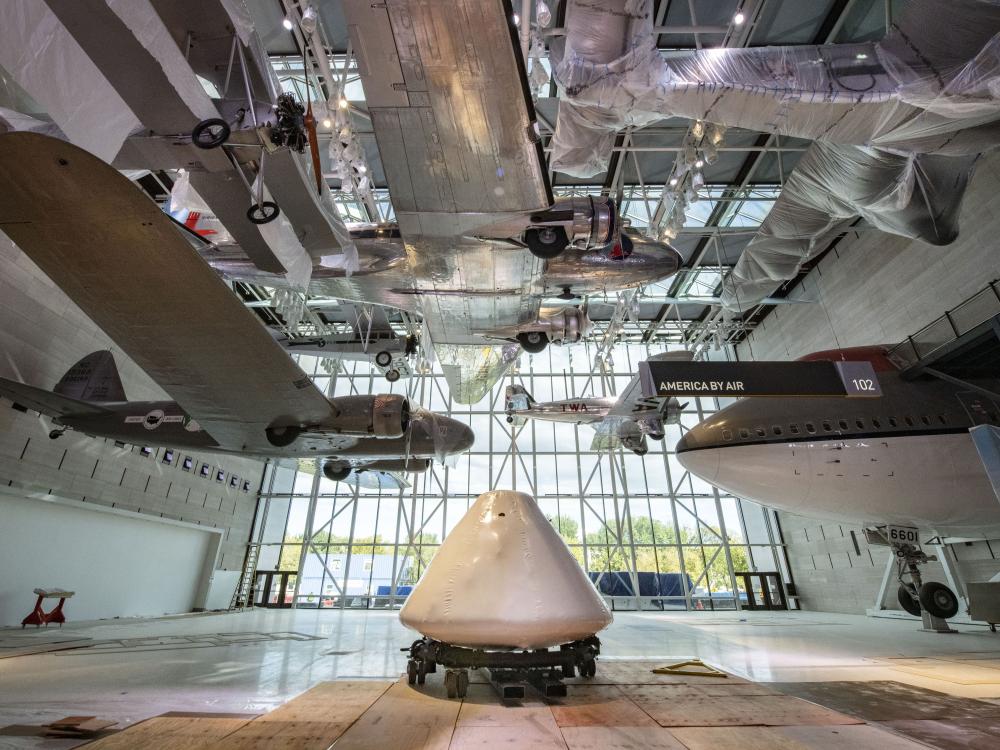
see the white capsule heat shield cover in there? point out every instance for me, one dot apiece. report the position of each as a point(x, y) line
point(504, 578)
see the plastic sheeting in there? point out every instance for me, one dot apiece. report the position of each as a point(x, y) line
point(911, 195)
point(191, 210)
point(280, 236)
point(44, 59)
point(923, 89)
point(504, 578)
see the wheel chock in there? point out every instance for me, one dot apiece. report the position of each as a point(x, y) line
point(690, 668)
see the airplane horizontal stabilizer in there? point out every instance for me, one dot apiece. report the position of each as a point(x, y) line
point(46, 402)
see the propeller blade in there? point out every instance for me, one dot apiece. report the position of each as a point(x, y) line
point(314, 147)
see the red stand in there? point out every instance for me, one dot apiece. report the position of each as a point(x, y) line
point(40, 617)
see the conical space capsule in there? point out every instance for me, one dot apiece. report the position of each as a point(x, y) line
point(504, 578)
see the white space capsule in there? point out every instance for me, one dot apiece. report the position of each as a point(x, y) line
point(504, 578)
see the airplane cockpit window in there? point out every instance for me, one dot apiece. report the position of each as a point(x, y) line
point(860, 423)
point(892, 422)
point(727, 435)
point(744, 433)
point(810, 428)
point(776, 430)
point(761, 432)
point(843, 424)
point(793, 428)
point(827, 427)
point(876, 423)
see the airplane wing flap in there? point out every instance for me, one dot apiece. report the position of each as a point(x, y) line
point(118, 257)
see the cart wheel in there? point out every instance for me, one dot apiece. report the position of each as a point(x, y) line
point(451, 683)
point(411, 672)
point(263, 213)
point(421, 672)
point(210, 133)
point(463, 683)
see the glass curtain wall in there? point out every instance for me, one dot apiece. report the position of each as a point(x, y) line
point(650, 535)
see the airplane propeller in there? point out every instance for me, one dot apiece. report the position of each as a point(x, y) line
point(310, 122)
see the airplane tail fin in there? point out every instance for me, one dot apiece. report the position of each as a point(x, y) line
point(94, 378)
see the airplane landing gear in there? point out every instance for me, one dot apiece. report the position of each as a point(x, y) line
point(533, 342)
point(57, 433)
point(932, 601)
point(546, 242)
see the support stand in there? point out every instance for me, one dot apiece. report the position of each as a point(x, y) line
point(40, 617)
point(934, 624)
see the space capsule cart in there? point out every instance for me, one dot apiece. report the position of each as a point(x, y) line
point(504, 594)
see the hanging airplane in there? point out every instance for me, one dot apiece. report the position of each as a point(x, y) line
point(138, 278)
point(480, 241)
point(905, 461)
point(626, 421)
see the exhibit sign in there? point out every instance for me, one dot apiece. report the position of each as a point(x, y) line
point(661, 379)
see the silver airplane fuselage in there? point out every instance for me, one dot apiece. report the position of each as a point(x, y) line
point(570, 411)
point(906, 458)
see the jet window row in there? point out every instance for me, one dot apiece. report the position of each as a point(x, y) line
point(842, 425)
point(205, 471)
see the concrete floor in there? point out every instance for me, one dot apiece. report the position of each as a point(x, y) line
point(132, 682)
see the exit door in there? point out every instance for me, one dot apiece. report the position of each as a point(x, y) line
point(762, 590)
point(274, 589)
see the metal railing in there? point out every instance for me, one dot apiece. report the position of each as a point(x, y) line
point(953, 324)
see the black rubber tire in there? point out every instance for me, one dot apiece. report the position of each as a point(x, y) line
point(263, 213)
point(54, 434)
point(383, 359)
point(510, 420)
point(392, 375)
point(906, 600)
point(938, 600)
point(588, 668)
point(451, 684)
point(337, 476)
point(280, 437)
point(421, 672)
point(411, 672)
point(463, 683)
point(203, 136)
point(533, 342)
point(547, 242)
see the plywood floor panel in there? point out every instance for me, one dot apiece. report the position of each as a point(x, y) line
point(598, 706)
point(528, 737)
point(173, 733)
point(406, 719)
point(856, 737)
point(757, 710)
point(482, 708)
point(734, 738)
point(620, 738)
point(952, 734)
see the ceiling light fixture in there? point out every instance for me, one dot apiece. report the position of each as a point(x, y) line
point(287, 23)
point(343, 104)
point(327, 123)
point(739, 18)
point(699, 164)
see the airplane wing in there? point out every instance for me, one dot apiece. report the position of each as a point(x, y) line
point(612, 431)
point(46, 402)
point(118, 257)
point(446, 88)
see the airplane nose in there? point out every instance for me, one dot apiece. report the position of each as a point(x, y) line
point(697, 456)
point(464, 438)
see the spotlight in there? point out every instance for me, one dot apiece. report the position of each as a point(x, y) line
point(699, 164)
point(327, 123)
point(287, 23)
point(861, 56)
point(362, 168)
point(517, 20)
point(739, 18)
point(673, 182)
point(342, 103)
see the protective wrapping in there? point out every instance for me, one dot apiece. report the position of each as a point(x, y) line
point(504, 578)
point(918, 90)
point(44, 59)
point(280, 236)
point(191, 210)
point(911, 195)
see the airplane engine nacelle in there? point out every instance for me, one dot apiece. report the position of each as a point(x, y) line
point(587, 221)
point(381, 416)
point(567, 326)
point(410, 465)
point(672, 410)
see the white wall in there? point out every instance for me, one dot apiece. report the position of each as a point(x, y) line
point(119, 564)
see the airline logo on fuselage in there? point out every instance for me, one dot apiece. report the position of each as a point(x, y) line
point(701, 385)
point(573, 407)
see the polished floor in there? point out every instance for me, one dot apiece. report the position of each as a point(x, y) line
point(256, 660)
